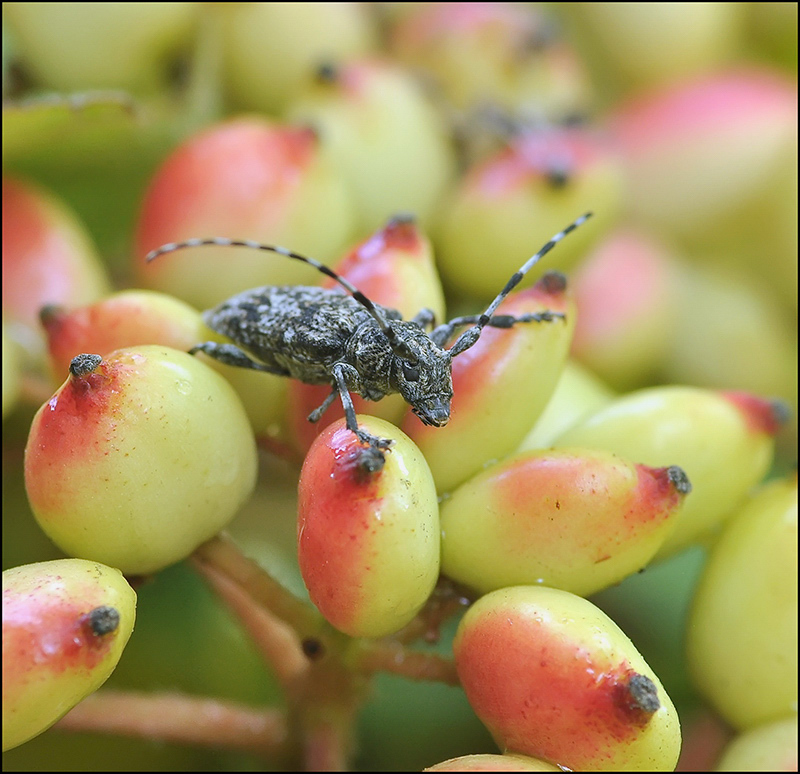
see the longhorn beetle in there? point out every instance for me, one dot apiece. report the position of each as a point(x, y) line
point(322, 336)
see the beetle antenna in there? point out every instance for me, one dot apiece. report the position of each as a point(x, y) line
point(471, 335)
point(397, 346)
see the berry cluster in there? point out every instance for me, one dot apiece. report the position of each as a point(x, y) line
point(543, 517)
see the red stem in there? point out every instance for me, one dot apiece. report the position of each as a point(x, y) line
point(394, 657)
point(223, 555)
point(277, 642)
point(173, 717)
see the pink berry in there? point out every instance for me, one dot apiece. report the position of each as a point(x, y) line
point(247, 178)
point(551, 676)
point(367, 540)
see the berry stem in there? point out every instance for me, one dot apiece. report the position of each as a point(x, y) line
point(327, 744)
point(447, 599)
point(174, 717)
point(278, 643)
point(223, 555)
point(323, 695)
point(393, 657)
point(325, 706)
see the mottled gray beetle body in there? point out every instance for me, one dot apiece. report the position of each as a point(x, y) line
point(321, 336)
point(304, 332)
point(300, 331)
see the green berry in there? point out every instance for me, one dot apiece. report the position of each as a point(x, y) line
point(138, 458)
point(742, 633)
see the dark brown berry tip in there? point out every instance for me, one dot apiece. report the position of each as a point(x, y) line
point(401, 232)
point(643, 694)
point(310, 130)
point(368, 460)
point(545, 33)
point(51, 313)
point(679, 479)
point(781, 412)
point(402, 218)
point(764, 415)
point(554, 283)
point(103, 620)
point(82, 365)
point(313, 649)
point(327, 72)
point(574, 119)
point(558, 175)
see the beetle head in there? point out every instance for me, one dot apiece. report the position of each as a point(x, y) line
point(422, 374)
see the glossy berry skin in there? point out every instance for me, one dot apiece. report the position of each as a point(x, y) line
point(498, 54)
point(577, 394)
point(386, 139)
point(490, 762)
point(123, 319)
point(626, 291)
point(65, 625)
point(768, 747)
point(48, 256)
point(125, 46)
point(504, 204)
point(138, 458)
point(246, 178)
point(133, 317)
point(271, 49)
point(552, 677)
point(367, 541)
point(696, 134)
point(491, 412)
point(742, 633)
point(633, 46)
point(723, 440)
point(574, 519)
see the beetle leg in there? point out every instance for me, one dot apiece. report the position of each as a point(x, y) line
point(317, 413)
point(233, 356)
point(441, 334)
point(339, 371)
point(424, 317)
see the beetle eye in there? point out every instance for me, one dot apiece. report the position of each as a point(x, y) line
point(411, 373)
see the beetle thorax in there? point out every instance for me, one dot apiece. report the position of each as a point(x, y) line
point(368, 351)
